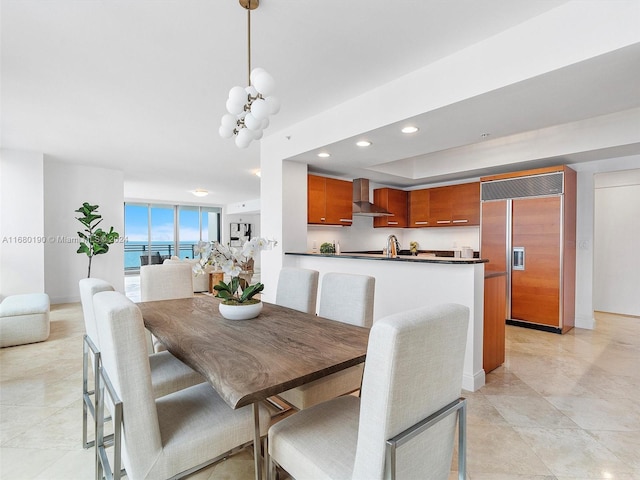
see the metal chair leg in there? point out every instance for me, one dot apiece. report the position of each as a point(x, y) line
point(103, 467)
point(462, 440)
point(458, 407)
point(88, 403)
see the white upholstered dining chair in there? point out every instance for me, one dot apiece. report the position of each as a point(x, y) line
point(168, 437)
point(165, 282)
point(403, 426)
point(200, 280)
point(347, 298)
point(168, 374)
point(298, 289)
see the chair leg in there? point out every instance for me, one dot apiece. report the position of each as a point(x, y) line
point(96, 386)
point(99, 430)
point(265, 454)
point(88, 404)
point(272, 470)
point(462, 440)
point(103, 467)
point(85, 391)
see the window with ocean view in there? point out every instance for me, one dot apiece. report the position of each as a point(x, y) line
point(156, 232)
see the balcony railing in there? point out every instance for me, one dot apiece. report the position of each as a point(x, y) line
point(136, 255)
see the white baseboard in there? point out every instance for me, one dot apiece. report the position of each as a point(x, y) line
point(472, 383)
point(59, 300)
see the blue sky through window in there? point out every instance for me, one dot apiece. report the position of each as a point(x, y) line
point(136, 223)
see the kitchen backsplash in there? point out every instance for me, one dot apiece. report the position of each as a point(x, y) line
point(362, 236)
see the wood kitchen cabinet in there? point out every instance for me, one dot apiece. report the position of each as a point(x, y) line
point(419, 207)
point(455, 205)
point(495, 308)
point(329, 201)
point(493, 236)
point(394, 201)
point(440, 207)
point(465, 201)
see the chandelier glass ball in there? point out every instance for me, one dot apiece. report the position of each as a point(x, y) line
point(249, 109)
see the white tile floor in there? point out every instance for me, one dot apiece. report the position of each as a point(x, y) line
point(562, 407)
point(132, 287)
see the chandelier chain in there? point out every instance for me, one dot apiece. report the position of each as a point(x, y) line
point(249, 43)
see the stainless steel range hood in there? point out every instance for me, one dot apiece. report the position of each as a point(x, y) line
point(361, 204)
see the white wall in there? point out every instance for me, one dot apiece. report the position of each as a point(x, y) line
point(253, 219)
point(362, 236)
point(417, 284)
point(66, 187)
point(283, 188)
point(616, 285)
point(248, 207)
point(585, 231)
point(22, 234)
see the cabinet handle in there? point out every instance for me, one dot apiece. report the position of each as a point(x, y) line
point(443, 221)
point(421, 223)
point(392, 223)
point(346, 220)
point(461, 221)
point(322, 219)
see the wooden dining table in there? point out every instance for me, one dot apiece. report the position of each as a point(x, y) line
point(248, 361)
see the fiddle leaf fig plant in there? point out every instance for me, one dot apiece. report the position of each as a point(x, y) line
point(93, 241)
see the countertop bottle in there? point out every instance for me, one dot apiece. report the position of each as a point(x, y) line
point(337, 248)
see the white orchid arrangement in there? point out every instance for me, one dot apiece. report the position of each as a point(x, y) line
point(232, 261)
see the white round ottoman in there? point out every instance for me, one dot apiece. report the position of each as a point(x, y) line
point(24, 319)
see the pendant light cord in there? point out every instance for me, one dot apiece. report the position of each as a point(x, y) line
point(249, 43)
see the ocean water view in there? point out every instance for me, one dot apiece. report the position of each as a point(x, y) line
point(136, 253)
point(150, 232)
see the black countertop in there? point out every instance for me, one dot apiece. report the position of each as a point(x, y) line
point(422, 257)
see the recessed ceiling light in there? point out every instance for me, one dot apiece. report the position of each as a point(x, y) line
point(200, 192)
point(324, 154)
point(257, 173)
point(410, 129)
point(363, 143)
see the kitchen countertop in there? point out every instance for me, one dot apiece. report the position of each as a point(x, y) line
point(420, 258)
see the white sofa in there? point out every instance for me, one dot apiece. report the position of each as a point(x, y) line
point(200, 282)
point(24, 319)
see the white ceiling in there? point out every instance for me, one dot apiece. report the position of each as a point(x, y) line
point(140, 85)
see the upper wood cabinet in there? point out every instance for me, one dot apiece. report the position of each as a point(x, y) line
point(394, 201)
point(440, 207)
point(316, 196)
point(455, 205)
point(419, 207)
point(465, 204)
point(329, 201)
point(451, 206)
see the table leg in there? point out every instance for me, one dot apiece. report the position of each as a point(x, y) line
point(257, 454)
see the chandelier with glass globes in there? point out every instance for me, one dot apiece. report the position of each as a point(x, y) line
point(249, 107)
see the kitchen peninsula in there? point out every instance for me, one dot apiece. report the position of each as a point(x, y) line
point(408, 282)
